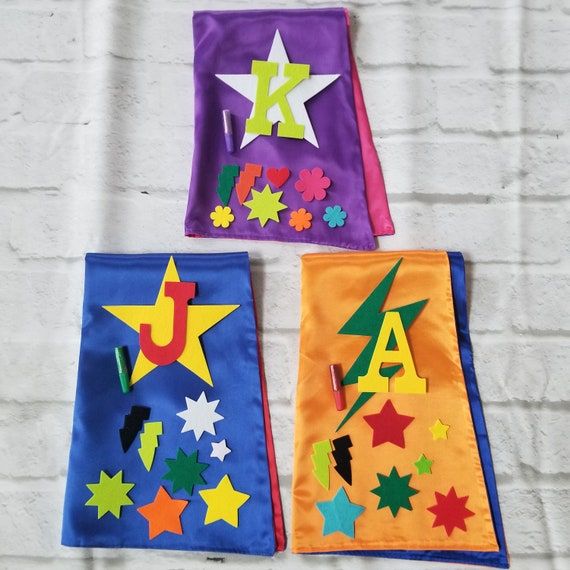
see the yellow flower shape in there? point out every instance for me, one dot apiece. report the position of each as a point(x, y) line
point(222, 217)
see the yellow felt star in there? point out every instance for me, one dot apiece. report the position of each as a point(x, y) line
point(265, 205)
point(160, 317)
point(223, 502)
point(439, 430)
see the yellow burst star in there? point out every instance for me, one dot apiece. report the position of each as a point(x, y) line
point(223, 502)
point(265, 205)
point(439, 430)
point(160, 317)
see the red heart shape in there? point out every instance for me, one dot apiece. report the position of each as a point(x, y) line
point(278, 176)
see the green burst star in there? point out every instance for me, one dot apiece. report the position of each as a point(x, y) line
point(367, 321)
point(185, 471)
point(394, 491)
point(110, 494)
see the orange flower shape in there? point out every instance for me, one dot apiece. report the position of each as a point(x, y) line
point(300, 219)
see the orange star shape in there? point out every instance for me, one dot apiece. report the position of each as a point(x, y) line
point(163, 514)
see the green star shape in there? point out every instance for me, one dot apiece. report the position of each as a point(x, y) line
point(265, 205)
point(423, 465)
point(367, 321)
point(185, 471)
point(394, 491)
point(110, 494)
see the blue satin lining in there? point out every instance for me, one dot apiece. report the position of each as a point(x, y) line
point(499, 559)
point(231, 352)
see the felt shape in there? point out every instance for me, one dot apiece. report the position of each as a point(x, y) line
point(367, 321)
point(132, 424)
point(321, 461)
point(300, 219)
point(163, 354)
point(388, 425)
point(226, 179)
point(439, 430)
point(450, 511)
point(265, 205)
point(163, 514)
point(339, 514)
point(278, 90)
point(220, 449)
point(334, 216)
point(313, 184)
point(423, 465)
point(407, 383)
point(185, 471)
point(223, 502)
point(341, 454)
point(246, 180)
point(200, 318)
point(278, 176)
point(149, 443)
point(110, 494)
point(200, 416)
point(394, 491)
point(222, 217)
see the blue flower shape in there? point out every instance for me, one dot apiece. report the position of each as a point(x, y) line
point(334, 216)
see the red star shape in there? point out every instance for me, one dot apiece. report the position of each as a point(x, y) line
point(163, 514)
point(388, 425)
point(450, 511)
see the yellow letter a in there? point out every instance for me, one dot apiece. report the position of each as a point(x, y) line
point(409, 382)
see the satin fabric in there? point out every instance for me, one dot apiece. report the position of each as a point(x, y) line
point(226, 43)
point(333, 287)
point(374, 186)
point(231, 351)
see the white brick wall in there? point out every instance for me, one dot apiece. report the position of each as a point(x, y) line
point(469, 104)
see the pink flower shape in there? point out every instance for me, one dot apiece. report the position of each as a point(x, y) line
point(312, 184)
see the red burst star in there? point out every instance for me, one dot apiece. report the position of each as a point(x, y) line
point(450, 511)
point(388, 425)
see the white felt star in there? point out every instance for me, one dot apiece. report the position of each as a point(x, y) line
point(200, 416)
point(246, 85)
point(220, 449)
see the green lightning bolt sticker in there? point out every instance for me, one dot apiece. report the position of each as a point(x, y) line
point(321, 461)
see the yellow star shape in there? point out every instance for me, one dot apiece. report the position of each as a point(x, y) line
point(160, 317)
point(223, 502)
point(265, 205)
point(439, 430)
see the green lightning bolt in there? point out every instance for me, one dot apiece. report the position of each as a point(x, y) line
point(149, 442)
point(367, 321)
point(321, 461)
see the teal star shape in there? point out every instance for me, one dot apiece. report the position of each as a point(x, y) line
point(185, 471)
point(423, 465)
point(339, 514)
point(394, 491)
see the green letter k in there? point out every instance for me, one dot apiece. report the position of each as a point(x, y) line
point(259, 123)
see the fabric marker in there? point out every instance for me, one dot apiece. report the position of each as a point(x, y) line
point(338, 392)
point(121, 359)
point(228, 130)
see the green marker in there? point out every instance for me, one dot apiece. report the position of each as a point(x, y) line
point(121, 358)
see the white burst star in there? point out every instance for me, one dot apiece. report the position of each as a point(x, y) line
point(200, 416)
